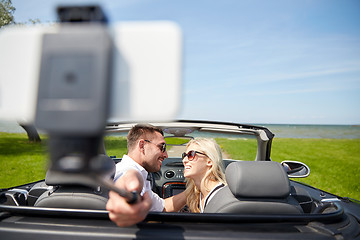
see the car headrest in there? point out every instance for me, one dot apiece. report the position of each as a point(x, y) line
point(54, 178)
point(252, 179)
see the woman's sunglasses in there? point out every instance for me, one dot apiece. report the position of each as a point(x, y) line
point(191, 154)
point(161, 146)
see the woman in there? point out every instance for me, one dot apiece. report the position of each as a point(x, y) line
point(204, 172)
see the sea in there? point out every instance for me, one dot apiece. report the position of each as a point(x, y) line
point(280, 130)
point(314, 131)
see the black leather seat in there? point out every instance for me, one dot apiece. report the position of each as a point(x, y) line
point(74, 191)
point(256, 187)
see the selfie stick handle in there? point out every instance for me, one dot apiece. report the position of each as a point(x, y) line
point(131, 197)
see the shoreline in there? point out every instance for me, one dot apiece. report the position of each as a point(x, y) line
point(280, 130)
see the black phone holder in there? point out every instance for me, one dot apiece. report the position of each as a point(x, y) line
point(74, 93)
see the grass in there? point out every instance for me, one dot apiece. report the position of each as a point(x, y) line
point(21, 161)
point(240, 149)
point(334, 163)
point(115, 146)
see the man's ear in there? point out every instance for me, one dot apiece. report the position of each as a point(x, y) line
point(141, 145)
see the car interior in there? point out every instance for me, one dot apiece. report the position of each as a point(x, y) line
point(254, 187)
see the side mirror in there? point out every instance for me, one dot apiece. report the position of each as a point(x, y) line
point(295, 169)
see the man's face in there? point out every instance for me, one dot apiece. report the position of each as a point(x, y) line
point(153, 152)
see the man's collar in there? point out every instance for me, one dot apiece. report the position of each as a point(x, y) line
point(143, 171)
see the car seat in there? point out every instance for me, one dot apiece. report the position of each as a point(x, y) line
point(71, 190)
point(255, 187)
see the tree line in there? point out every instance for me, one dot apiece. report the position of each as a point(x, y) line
point(7, 11)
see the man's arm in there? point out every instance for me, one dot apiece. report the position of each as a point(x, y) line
point(123, 213)
point(175, 203)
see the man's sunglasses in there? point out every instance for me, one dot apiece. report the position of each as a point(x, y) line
point(161, 146)
point(191, 154)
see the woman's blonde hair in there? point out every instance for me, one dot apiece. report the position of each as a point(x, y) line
point(216, 173)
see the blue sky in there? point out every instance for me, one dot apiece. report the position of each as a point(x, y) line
point(281, 61)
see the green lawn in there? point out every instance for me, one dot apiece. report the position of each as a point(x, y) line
point(20, 160)
point(115, 146)
point(334, 163)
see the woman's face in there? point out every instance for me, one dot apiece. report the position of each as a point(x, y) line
point(198, 166)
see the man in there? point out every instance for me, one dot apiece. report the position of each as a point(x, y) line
point(146, 151)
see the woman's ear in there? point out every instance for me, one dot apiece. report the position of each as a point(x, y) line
point(209, 163)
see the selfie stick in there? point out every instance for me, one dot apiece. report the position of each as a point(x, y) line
point(73, 94)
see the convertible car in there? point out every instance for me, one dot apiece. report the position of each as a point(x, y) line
point(260, 201)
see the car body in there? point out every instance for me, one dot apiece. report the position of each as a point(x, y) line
point(322, 215)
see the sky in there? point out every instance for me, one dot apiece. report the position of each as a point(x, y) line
point(253, 61)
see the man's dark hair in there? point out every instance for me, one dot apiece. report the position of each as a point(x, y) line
point(140, 131)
